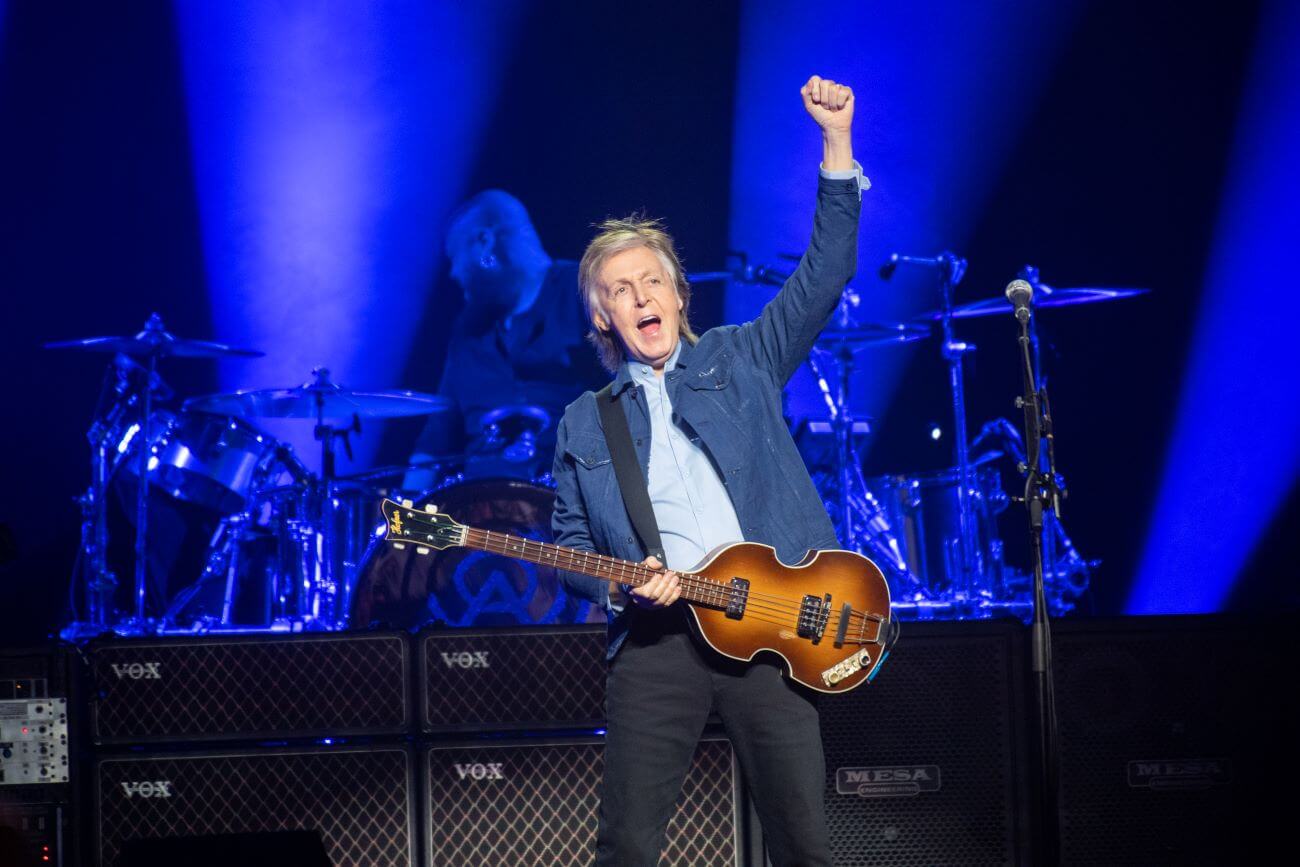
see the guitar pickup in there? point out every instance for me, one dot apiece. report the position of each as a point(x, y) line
point(813, 614)
point(737, 598)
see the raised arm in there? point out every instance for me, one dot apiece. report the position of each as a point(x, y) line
point(781, 337)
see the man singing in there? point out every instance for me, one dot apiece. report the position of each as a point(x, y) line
point(720, 466)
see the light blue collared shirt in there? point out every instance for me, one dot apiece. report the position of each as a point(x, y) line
point(691, 506)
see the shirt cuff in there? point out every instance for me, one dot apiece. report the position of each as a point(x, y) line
point(616, 600)
point(855, 173)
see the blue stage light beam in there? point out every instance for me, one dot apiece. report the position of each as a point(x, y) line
point(1235, 452)
point(329, 142)
point(942, 90)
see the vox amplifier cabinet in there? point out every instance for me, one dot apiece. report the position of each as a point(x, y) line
point(359, 800)
point(249, 687)
point(927, 763)
point(488, 804)
point(536, 677)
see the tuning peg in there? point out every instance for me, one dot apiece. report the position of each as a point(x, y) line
point(401, 546)
point(422, 550)
point(431, 508)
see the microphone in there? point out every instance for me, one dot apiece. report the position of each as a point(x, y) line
point(1019, 293)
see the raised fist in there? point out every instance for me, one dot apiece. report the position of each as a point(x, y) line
point(830, 104)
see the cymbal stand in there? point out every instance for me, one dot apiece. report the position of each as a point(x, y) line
point(139, 623)
point(951, 270)
point(99, 579)
point(324, 603)
point(853, 493)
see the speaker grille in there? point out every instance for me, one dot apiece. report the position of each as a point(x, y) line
point(537, 677)
point(231, 688)
point(1174, 735)
point(536, 803)
point(359, 800)
point(934, 741)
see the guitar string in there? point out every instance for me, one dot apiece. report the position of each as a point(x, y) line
point(504, 544)
point(776, 604)
point(716, 593)
point(755, 613)
point(505, 549)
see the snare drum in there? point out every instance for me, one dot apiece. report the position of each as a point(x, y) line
point(464, 587)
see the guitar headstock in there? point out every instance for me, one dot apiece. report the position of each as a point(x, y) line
point(427, 528)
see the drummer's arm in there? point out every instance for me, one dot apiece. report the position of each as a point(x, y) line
point(570, 524)
point(439, 437)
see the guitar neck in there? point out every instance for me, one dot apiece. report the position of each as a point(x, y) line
point(695, 588)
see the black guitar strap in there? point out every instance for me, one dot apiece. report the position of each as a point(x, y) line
point(631, 483)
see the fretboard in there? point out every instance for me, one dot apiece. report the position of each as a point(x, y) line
point(695, 588)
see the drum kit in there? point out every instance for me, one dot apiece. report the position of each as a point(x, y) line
point(278, 540)
point(233, 532)
point(936, 535)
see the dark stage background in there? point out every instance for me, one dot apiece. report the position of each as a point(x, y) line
point(1118, 172)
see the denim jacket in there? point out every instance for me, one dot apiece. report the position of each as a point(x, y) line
point(726, 393)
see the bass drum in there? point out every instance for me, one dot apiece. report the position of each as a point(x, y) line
point(460, 587)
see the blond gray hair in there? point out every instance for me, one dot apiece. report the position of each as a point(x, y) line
point(614, 237)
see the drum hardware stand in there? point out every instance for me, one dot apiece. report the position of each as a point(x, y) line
point(100, 580)
point(322, 608)
point(1042, 496)
point(153, 334)
point(952, 268)
point(853, 494)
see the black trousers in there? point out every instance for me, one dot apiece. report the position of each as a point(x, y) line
point(660, 690)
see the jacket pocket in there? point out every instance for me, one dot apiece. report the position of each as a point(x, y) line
point(588, 452)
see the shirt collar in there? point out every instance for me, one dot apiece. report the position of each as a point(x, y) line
point(630, 372)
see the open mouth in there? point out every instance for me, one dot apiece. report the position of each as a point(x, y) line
point(648, 325)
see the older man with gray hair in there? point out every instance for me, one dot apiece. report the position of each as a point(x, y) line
point(720, 466)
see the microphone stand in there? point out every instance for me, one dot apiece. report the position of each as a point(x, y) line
point(1041, 494)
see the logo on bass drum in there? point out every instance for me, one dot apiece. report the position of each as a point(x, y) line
point(891, 782)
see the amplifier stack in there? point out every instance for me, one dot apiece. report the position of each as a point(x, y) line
point(484, 747)
point(389, 749)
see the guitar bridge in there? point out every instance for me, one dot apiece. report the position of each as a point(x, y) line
point(737, 598)
point(813, 615)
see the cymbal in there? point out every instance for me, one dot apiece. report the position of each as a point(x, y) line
point(871, 334)
point(319, 399)
point(156, 341)
point(1043, 297)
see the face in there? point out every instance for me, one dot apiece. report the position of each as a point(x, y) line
point(639, 303)
point(482, 267)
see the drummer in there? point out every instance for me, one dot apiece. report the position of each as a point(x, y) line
point(518, 350)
